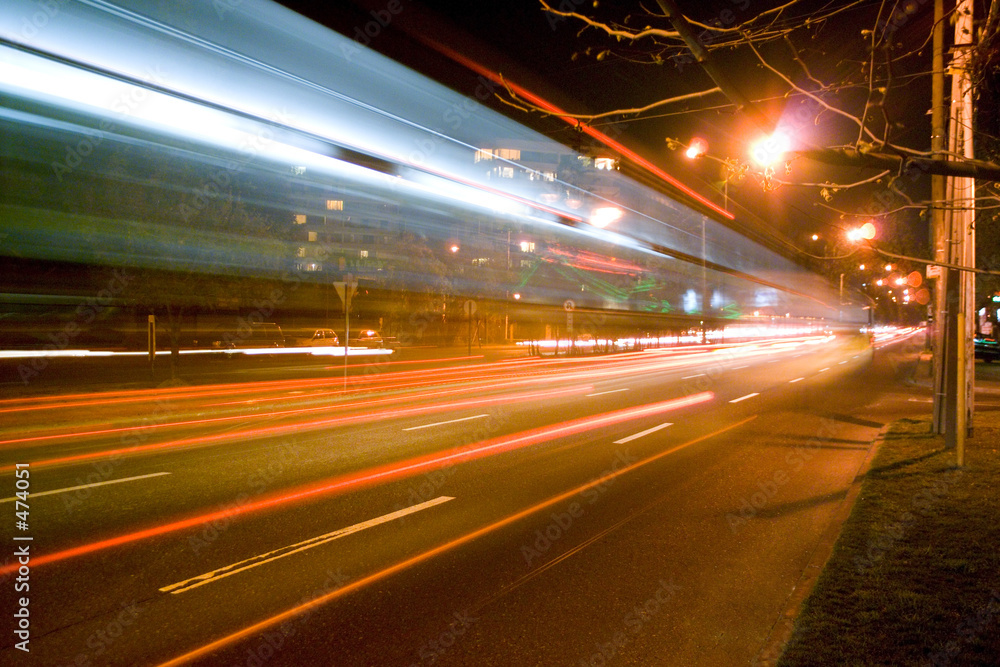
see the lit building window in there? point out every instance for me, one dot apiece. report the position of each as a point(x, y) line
point(363, 253)
point(527, 246)
point(300, 219)
point(301, 251)
point(298, 171)
point(335, 204)
point(493, 153)
point(506, 172)
point(608, 163)
point(313, 236)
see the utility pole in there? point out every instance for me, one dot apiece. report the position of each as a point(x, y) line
point(937, 214)
point(953, 391)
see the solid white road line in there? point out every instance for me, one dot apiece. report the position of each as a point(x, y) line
point(642, 433)
point(450, 421)
point(260, 559)
point(611, 391)
point(743, 398)
point(35, 494)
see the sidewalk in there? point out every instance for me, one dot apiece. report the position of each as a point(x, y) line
point(914, 578)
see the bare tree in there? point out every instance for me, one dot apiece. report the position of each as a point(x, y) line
point(855, 69)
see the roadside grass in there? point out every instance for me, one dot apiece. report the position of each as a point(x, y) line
point(914, 578)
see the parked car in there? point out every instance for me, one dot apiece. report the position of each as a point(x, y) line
point(321, 338)
point(265, 334)
point(987, 349)
point(367, 338)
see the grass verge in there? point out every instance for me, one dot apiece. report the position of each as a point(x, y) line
point(914, 578)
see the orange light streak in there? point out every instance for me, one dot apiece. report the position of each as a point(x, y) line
point(384, 473)
point(277, 619)
point(367, 403)
point(271, 431)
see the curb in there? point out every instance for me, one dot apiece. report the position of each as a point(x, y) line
point(784, 627)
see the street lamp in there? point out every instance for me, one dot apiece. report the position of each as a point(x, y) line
point(865, 231)
point(696, 148)
point(769, 150)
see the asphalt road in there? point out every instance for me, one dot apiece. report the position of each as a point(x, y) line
point(646, 508)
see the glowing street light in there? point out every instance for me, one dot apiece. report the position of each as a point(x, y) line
point(769, 150)
point(696, 148)
point(865, 231)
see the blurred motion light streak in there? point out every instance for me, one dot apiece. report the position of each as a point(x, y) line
point(351, 587)
point(384, 473)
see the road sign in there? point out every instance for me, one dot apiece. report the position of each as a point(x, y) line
point(469, 307)
point(345, 290)
point(569, 305)
point(933, 271)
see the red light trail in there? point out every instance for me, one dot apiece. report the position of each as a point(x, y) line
point(284, 616)
point(382, 474)
point(562, 115)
